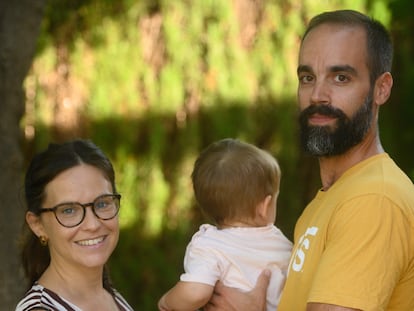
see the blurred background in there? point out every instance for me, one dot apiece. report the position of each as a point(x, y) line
point(153, 82)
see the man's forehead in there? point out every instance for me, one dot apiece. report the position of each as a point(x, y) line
point(329, 30)
point(333, 44)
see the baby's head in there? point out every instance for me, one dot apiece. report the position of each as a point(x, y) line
point(231, 178)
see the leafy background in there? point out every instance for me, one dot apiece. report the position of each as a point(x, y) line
point(153, 82)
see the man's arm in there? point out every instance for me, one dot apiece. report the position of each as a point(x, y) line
point(185, 296)
point(231, 299)
point(312, 306)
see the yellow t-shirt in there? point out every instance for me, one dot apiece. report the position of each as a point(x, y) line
point(354, 244)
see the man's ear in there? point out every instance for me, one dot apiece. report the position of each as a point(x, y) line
point(263, 207)
point(382, 88)
point(35, 224)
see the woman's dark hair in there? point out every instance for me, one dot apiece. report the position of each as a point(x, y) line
point(43, 168)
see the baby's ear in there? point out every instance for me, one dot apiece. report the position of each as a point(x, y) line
point(263, 207)
point(35, 224)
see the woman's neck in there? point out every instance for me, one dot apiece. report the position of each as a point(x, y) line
point(72, 282)
point(82, 287)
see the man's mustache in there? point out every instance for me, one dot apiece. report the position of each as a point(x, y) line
point(325, 110)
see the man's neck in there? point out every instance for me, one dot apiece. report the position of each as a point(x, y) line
point(332, 168)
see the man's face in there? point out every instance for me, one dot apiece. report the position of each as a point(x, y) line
point(334, 92)
point(336, 140)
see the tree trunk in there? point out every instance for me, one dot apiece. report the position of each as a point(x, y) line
point(19, 27)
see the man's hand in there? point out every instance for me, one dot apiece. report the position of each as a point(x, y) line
point(231, 299)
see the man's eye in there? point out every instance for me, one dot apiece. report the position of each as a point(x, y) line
point(341, 78)
point(305, 78)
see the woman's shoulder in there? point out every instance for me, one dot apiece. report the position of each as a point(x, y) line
point(41, 298)
point(121, 302)
point(32, 300)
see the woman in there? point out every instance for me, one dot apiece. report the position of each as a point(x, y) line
point(73, 219)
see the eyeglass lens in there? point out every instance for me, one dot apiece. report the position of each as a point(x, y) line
point(71, 214)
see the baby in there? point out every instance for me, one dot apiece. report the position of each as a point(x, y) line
point(236, 184)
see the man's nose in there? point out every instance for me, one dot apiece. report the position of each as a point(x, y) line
point(320, 92)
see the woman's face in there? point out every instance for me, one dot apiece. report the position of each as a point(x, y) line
point(89, 244)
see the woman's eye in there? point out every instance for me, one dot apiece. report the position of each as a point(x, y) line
point(101, 204)
point(68, 210)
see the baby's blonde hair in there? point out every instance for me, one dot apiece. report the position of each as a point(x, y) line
point(231, 177)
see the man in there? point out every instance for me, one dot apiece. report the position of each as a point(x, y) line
point(354, 242)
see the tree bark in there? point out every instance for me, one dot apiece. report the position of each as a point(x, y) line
point(19, 28)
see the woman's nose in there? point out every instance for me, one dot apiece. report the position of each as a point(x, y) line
point(90, 220)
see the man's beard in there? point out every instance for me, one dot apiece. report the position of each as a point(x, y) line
point(345, 134)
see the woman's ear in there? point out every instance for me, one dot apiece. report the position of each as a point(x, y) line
point(35, 224)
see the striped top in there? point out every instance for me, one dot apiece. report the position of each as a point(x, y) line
point(42, 298)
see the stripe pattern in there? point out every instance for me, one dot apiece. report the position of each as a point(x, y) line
point(40, 298)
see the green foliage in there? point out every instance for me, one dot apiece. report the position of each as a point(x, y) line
point(396, 116)
point(157, 81)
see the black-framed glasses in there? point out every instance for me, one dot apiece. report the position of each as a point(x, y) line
point(71, 214)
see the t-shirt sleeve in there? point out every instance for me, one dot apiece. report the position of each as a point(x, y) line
point(200, 262)
point(364, 255)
